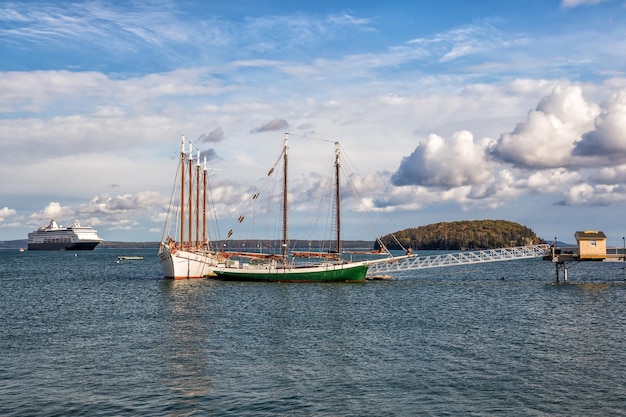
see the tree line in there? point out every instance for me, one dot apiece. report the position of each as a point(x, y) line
point(461, 235)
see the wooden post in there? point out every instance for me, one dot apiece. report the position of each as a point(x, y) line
point(557, 272)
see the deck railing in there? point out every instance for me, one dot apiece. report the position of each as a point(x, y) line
point(457, 258)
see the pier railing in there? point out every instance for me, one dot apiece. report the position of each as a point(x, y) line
point(385, 266)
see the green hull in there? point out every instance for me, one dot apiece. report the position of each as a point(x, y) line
point(330, 273)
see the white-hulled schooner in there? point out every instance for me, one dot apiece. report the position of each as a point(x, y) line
point(185, 251)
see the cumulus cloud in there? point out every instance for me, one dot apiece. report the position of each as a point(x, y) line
point(118, 212)
point(568, 146)
point(598, 195)
point(503, 186)
point(550, 180)
point(5, 213)
point(446, 163)
point(609, 136)
point(213, 136)
point(276, 124)
point(104, 204)
point(53, 211)
point(610, 175)
point(548, 137)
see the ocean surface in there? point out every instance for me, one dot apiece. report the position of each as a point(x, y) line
point(84, 335)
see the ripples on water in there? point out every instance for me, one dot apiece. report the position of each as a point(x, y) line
point(84, 335)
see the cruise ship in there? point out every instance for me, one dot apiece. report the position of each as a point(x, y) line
point(56, 237)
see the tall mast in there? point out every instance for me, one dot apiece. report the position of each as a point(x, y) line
point(197, 197)
point(204, 239)
point(183, 159)
point(190, 191)
point(285, 204)
point(338, 198)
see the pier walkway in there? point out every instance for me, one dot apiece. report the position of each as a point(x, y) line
point(382, 267)
point(562, 257)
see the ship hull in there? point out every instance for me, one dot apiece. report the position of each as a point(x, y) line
point(182, 264)
point(56, 246)
point(327, 273)
point(54, 237)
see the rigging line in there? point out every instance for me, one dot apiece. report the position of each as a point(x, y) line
point(367, 213)
point(214, 217)
point(266, 181)
point(260, 218)
point(357, 195)
point(167, 230)
point(312, 138)
point(322, 194)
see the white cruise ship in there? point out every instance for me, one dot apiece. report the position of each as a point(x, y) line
point(56, 237)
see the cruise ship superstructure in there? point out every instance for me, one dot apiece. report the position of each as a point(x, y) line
point(56, 237)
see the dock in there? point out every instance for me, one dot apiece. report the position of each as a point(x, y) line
point(590, 247)
point(381, 268)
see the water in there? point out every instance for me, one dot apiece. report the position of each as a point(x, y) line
point(85, 335)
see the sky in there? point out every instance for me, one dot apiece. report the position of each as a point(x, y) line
point(450, 110)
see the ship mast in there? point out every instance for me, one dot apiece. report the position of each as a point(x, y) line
point(190, 192)
point(183, 158)
point(197, 198)
point(285, 203)
point(338, 198)
point(204, 177)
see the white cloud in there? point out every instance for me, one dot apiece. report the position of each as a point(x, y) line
point(550, 180)
point(610, 175)
point(53, 211)
point(446, 163)
point(500, 189)
point(608, 139)
point(599, 195)
point(551, 131)
point(5, 213)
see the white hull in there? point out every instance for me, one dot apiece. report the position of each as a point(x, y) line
point(183, 264)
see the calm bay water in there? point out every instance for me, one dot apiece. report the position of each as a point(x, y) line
point(85, 335)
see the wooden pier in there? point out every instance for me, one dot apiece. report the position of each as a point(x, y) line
point(590, 247)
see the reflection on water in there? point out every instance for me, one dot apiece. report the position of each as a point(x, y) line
point(593, 286)
point(183, 305)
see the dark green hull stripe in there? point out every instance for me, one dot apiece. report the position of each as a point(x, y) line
point(350, 274)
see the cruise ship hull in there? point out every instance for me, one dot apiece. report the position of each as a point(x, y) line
point(63, 246)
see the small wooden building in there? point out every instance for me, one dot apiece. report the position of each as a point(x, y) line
point(591, 244)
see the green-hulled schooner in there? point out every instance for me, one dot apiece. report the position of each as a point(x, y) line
point(282, 266)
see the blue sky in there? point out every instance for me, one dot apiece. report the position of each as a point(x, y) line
point(450, 110)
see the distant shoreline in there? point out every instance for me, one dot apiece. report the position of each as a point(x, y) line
point(235, 244)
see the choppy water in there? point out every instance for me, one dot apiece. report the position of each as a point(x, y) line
point(84, 335)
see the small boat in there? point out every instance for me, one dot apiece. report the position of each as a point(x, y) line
point(283, 265)
point(56, 237)
point(130, 258)
point(185, 250)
